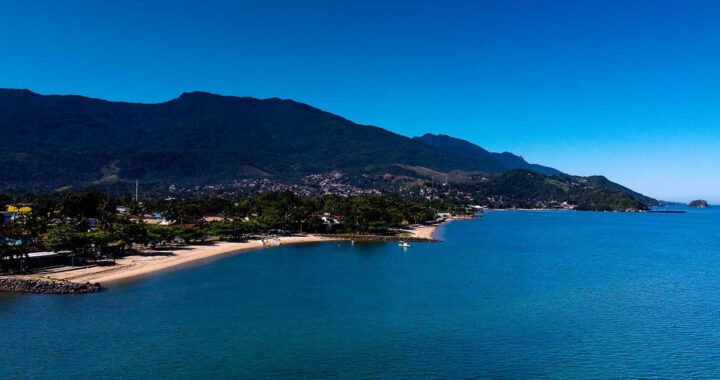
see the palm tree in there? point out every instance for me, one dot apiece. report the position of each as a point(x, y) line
point(106, 214)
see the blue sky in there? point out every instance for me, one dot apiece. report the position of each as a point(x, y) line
point(625, 89)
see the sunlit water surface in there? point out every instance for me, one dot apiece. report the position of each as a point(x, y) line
point(515, 294)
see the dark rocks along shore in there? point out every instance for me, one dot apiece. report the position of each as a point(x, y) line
point(37, 286)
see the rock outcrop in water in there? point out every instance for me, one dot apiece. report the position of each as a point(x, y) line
point(20, 285)
point(699, 203)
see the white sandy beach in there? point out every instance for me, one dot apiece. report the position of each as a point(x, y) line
point(150, 261)
point(425, 232)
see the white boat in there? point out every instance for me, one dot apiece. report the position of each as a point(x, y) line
point(404, 244)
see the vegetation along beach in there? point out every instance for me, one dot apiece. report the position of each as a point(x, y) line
point(92, 237)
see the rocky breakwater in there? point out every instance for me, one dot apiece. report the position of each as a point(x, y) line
point(37, 286)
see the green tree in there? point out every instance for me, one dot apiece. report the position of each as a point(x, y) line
point(106, 214)
point(227, 231)
point(129, 233)
point(66, 237)
point(157, 234)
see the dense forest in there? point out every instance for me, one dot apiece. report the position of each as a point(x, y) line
point(202, 138)
point(526, 189)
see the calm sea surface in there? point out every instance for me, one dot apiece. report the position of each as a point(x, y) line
point(514, 295)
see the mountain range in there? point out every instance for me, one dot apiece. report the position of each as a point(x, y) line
point(53, 141)
point(201, 137)
point(502, 161)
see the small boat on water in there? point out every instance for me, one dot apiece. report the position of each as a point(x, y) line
point(404, 244)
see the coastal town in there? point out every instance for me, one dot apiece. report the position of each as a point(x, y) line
point(341, 184)
point(93, 237)
point(335, 183)
point(96, 229)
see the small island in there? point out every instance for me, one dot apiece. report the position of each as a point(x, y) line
point(699, 203)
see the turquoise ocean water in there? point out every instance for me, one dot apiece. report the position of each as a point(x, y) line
point(515, 294)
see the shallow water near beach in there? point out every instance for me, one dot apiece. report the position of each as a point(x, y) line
point(515, 294)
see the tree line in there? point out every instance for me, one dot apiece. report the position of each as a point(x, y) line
point(90, 225)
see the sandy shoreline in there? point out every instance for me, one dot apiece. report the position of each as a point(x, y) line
point(429, 232)
point(424, 232)
point(151, 261)
point(156, 260)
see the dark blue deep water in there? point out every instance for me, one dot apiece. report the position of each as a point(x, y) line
point(515, 294)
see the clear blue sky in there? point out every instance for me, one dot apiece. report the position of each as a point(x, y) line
point(626, 89)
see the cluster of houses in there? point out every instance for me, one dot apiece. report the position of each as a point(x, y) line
point(330, 221)
point(12, 213)
point(336, 183)
point(438, 191)
point(8, 219)
point(162, 219)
